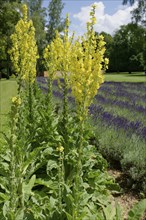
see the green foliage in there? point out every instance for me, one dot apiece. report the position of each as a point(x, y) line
point(127, 48)
point(138, 14)
point(49, 170)
point(129, 152)
point(55, 20)
point(137, 211)
point(9, 16)
point(33, 182)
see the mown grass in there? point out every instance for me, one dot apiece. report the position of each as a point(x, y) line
point(125, 77)
point(8, 89)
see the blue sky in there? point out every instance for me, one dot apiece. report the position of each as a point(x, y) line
point(110, 14)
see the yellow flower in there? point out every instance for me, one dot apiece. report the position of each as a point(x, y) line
point(24, 50)
point(16, 100)
point(87, 62)
point(57, 55)
point(60, 149)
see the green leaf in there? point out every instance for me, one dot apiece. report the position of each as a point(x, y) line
point(52, 167)
point(28, 187)
point(4, 169)
point(6, 209)
point(137, 211)
point(3, 197)
point(52, 202)
point(109, 212)
point(119, 215)
point(49, 184)
point(19, 215)
point(2, 216)
point(69, 217)
point(4, 183)
point(52, 164)
point(32, 157)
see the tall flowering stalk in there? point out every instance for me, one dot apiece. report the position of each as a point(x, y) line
point(60, 150)
point(24, 50)
point(86, 77)
point(57, 57)
point(64, 51)
point(87, 65)
point(16, 201)
point(24, 56)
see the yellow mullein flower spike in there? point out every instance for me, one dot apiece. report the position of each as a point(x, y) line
point(24, 50)
point(57, 54)
point(86, 68)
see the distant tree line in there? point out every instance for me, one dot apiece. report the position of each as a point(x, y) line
point(45, 21)
point(126, 49)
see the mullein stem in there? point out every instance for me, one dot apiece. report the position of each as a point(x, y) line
point(61, 180)
point(67, 166)
point(15, 171)
point(78, 176)
point(30, 102)
point(50, 93)
point(65, 103)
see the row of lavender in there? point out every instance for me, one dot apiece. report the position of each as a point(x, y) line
point(118, 116)
point(104, 104)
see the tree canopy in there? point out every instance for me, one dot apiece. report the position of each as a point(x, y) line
point(55, 21)
point(128, 48)
point(9, 16)
point(139, 13)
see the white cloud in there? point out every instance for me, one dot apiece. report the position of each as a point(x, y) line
point(105, 22)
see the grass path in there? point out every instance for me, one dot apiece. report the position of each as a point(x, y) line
point(8, 89)
point(125, 77)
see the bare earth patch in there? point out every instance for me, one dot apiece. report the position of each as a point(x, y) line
point(128, 198)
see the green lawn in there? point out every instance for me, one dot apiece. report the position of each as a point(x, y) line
point(8, 89)
point(125, 77)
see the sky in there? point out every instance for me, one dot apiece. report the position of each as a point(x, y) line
point(110, 14)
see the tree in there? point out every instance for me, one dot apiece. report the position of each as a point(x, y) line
point(139, 17)
point(128, 48)
point(9, 16)
point(139, 13)
point(55, 20)
point(130, 1)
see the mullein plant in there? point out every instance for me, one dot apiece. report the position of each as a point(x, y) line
point(57, 61)
point(57, 58)
point(24, 56)
point(26, 190)
point(86, 76)
point(80, 65)
point(16, 158)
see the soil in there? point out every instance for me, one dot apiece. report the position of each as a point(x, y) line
point(128, 197)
